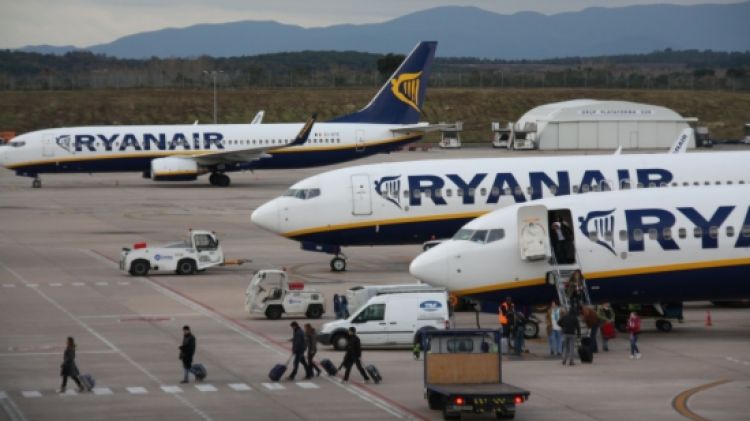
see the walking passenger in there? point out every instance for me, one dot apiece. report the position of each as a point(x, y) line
point(570, 329)
point(344, 307)
point(68, 367)
point(592, 322)
point(519, 329)
point(187, 351)
point(634, 328)
point(312, 348)
point(354, 356)
point(554, 332)
point(298, 350)
point(337, 306)
point(606, 317)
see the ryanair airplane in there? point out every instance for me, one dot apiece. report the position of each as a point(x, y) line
point(644, 246)
point(183, 152)
point(418, 201)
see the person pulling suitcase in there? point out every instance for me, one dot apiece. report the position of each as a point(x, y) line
point(68, 368)
point(353, 356)
point(187, 351)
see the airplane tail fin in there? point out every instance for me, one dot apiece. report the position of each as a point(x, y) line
point(683, 140)
point(400, 99)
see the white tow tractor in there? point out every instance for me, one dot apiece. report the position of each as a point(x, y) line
point(272, 294)
point(200, 252)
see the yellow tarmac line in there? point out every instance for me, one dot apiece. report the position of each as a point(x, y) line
point(680, 401)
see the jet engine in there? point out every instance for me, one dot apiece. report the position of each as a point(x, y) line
point(175, 169)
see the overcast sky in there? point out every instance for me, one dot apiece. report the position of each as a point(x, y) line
point(88, 22)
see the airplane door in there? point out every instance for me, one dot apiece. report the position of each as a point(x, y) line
point(359, 140)
point(48, 145)
point(533, 238)
point(361, 201)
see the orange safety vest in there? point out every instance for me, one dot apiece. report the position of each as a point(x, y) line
point(501, 315)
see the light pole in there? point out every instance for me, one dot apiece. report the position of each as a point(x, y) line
point(213, 74)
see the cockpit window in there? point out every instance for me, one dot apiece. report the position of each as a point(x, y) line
point(303, 194)
point(480, 236)
point(16, 143)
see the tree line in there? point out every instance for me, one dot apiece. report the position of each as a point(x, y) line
point(666, 69)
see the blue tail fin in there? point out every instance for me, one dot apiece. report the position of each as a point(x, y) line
point(400, 100)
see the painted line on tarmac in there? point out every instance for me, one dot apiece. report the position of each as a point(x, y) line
point(391, 407)
point(10, 408)
point(34, 354)
point(680, 402)
point(104, 340)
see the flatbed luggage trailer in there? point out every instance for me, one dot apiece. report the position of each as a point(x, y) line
point(463, 373)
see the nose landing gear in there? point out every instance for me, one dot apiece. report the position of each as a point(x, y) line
point(37, 183)
point(219, 179)
point(338, 263)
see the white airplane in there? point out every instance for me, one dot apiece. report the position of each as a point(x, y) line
point(183, 152)
point(639, 246)
point(418, 201)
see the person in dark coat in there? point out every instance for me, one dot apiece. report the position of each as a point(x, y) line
point(344, 307)
point(68, 367)
point(354, 355)
point(298, 350)
point(337, 306)
point(312, 348)
point(570, 329)
point(562, 241)
point(187, 351)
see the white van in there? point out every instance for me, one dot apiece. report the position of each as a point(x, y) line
point(358, 296)
point(396, 319)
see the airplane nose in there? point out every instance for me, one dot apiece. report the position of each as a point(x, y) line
point(432, 267)
point(267, 217)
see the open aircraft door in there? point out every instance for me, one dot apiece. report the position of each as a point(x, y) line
point(48, 145)
point(361, 200)
point(533, 235)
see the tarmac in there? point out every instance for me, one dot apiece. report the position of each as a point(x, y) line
point(59, 277)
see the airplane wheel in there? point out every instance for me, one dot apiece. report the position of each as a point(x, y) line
point(530, 330)
point(338, 264)
point(664, 325)
point(219, 180)
point(36, 184)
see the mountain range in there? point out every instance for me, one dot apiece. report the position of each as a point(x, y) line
point(461, 32)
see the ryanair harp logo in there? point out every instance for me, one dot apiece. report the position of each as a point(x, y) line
point(389, 188)
point(64, 142)
point(599, 227)
point(406, 88)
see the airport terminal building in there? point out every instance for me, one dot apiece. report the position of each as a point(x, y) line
point(592, 124)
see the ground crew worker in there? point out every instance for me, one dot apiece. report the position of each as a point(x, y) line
point(504, 313)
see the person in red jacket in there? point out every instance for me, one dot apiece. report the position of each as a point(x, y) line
point(634, 328)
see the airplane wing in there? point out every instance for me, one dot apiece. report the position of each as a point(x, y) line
point(681, 144)
point(618, 151)
point(258, 119)
point(423, 127)
point(252, 154)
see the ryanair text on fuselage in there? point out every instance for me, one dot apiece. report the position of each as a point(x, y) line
point(141, 142)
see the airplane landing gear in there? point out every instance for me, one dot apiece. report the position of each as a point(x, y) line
point(37, 183)
point(219, 179)
point(338, 263)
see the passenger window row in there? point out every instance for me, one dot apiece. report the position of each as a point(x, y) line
point(682, 233)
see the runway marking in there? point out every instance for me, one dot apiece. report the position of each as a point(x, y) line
point(123, 283)
point(31, 394)
point(137, 390)
point(102, 391)
point(78, 284)
point(106, 341)
point(9, 285)
point(32, 285)
point(273, 386)
point(736, 361)
point(131, 315)
point(102, 284)
point(391, 407)
point(55, 284)
point(307, 385)
point(240, 387)
point(10, 408)
point(680, 401)
point(172, 389)
point(35, 354)
point(206, 388)
point(69, 392)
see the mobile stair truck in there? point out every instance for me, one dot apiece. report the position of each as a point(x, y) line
point(463, 373)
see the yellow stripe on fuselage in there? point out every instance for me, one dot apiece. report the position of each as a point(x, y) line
point(393, 221)
point(198, 153)
point(644, 270)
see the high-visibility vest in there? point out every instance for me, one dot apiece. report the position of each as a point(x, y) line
point(501, 315)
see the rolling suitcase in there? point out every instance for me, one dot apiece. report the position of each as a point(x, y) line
point(199, 370)
point(278, 370)
point(584, 351)
point(374, 373)
point(329, 367)
point(88, 381)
